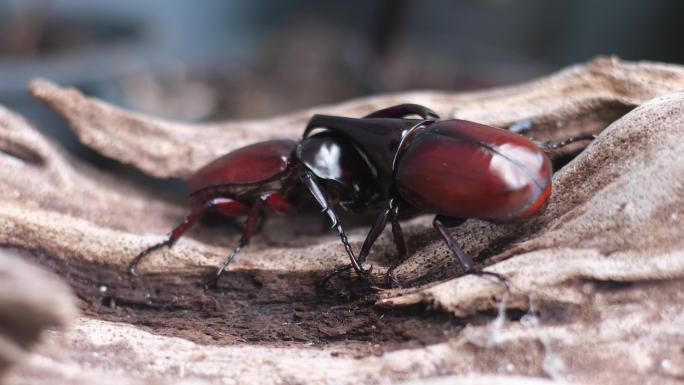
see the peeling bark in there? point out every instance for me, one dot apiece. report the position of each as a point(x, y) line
point(579, 99)
point(596, 280)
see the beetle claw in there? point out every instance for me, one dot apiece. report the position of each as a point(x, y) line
point(132, 270)
point(211, 283)
point(501, 278)
point(391, 281)
point(326, 278)
point(132, 267)
point(365, 273)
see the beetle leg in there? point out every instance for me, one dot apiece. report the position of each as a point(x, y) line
point(525, 125)
point(373, 234)
point(319, 196)
point(251, 223)
point(464, 259)
point(399, 242)
point(549, 146)
point(278, 203)
point(339, 269)
point(404, 110)
point(226, 206)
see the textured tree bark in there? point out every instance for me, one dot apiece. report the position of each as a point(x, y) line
point(596, 281)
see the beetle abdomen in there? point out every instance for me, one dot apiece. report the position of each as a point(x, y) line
point(251, 164)
point(464, 169)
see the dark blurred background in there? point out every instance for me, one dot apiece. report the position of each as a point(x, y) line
point(211, 59)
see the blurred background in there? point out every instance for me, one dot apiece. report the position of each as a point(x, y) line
point(209, 60)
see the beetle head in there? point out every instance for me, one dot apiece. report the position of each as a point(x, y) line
point(337, 163)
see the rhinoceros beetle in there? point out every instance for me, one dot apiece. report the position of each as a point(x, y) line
point(455, 169)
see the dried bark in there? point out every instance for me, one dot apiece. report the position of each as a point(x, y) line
point(596, 281)
point(579, 99)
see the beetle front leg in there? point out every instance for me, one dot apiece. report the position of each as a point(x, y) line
point(373, 234)
point(319, 196)
point(390, 212)
point(226, 206)
point(464, 259)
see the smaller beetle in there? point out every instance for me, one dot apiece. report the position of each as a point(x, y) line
point(268, 175)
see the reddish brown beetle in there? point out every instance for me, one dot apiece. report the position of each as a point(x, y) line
point(454, 168)
point(271, 175)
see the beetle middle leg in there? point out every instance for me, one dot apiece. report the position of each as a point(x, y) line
point(440, 224)
point(255, 217)
point(390, 212)
point(251, 223)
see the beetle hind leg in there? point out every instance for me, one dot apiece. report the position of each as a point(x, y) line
point(526, 125)
point(550, 146)
point(373, 234)
point(440, 224)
